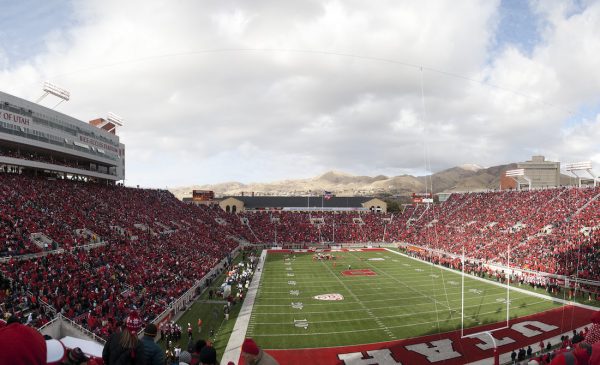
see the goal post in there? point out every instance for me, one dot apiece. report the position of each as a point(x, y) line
point(507, 276)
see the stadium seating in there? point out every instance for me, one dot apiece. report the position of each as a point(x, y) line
point(152, 247)
point(155, 248)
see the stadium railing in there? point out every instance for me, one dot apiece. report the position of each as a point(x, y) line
point(79, 327)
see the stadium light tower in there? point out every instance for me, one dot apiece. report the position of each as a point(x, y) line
point(585, 166)
point(59, 92)
point(515, 174)
point(113, 118)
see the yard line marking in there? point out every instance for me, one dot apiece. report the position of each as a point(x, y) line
point(477, 298)
point(379, 323)
point(410, 288)
point(395, 307)
point(382, 317)
point(471, 290)
point(382, 284)
point(355, 330)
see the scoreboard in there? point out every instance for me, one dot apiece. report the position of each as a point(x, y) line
point(422, 198)
point(203, 195)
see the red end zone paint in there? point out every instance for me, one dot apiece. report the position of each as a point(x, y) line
point(446, 348)
point(359, 272)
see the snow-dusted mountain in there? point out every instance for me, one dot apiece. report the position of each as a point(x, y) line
point(467, 177)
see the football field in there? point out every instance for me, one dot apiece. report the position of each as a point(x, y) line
point(366, 297)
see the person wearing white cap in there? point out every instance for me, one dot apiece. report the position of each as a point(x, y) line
point(23, 345)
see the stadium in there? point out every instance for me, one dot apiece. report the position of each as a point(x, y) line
point(214, 243)
point(338, 281)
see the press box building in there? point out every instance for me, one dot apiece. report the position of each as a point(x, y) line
point(37, 139)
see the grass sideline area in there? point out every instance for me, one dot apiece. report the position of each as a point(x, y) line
point(211, 312)
point(386, 297)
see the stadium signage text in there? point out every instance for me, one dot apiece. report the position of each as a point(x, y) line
point(97, 143)
point(13, 118)
point(442, 350)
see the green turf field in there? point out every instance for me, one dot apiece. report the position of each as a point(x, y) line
point(406, 298)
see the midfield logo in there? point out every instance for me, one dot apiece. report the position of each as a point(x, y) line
point(334, 296)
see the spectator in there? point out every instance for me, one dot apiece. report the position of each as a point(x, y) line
point(185, 358)
point(23, 345)
point(580, 355)
point(208, 356)
point(253, 355)
point(198, 346)
point(593, 335)
point(76, 357)
point(153, 354)
point(124, 348)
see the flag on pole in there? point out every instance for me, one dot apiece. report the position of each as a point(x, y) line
point(327, 195)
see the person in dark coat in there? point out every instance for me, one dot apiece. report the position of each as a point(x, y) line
point(153, 355)
point(124, 347)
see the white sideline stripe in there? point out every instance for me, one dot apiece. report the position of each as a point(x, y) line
point(234, 346)
point(534, 294)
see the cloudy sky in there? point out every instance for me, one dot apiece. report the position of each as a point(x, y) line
point(236, 90)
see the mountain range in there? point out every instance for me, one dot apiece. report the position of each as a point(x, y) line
point(455, 179)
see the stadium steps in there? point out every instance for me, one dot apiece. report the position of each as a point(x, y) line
point(581, 209)
point(251, 231)
point(41, 240)
point(88, 234)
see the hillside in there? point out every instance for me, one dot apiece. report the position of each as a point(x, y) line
point(460, 178)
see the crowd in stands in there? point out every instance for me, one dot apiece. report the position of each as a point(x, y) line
point(550, 230)
point(580, 348)
point(154, 248)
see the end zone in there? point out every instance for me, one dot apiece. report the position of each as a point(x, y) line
point(447, 348)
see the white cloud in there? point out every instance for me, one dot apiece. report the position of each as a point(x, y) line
point(237, 90)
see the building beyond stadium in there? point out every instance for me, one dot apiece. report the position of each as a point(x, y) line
point(36, 138)
point(303, 203)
